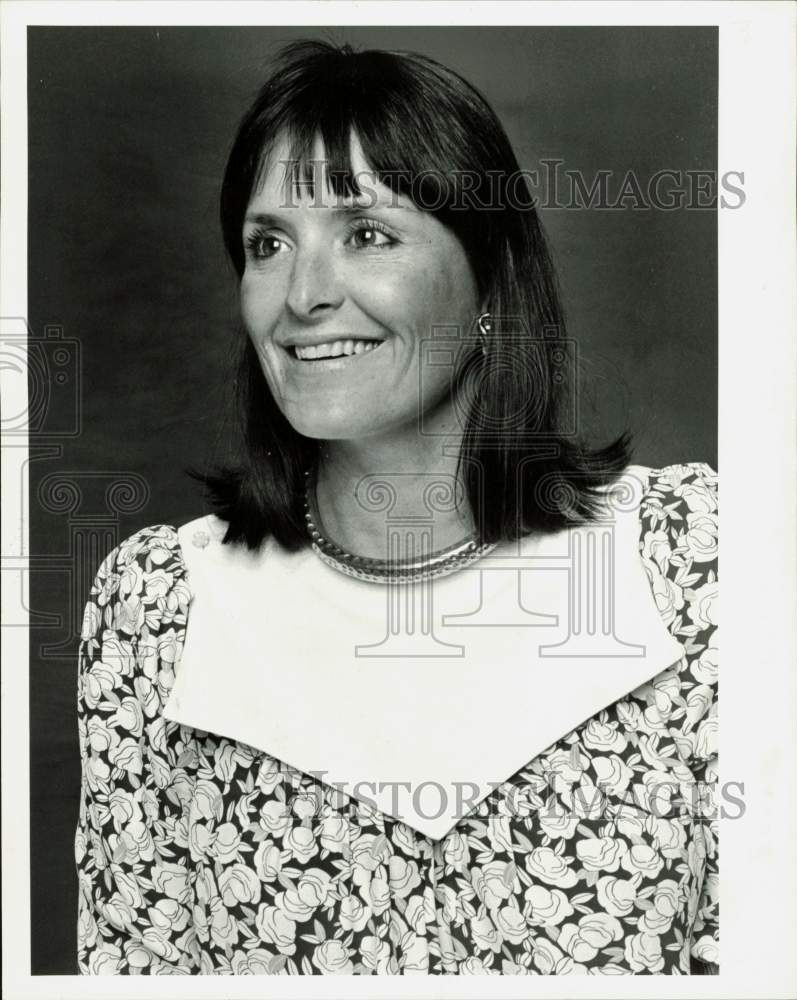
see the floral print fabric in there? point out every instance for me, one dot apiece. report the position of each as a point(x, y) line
point(200, 855)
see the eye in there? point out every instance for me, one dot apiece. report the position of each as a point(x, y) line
point(261, 246)
point(367, 233)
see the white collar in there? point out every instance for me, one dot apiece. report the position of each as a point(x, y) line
point(269, 661)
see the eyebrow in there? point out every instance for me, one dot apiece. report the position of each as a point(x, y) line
point(265, 218)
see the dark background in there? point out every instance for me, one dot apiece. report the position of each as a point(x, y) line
point(132, 302)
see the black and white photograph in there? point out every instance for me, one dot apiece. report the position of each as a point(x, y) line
point(366, 387)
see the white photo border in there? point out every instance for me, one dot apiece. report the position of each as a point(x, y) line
point(757, 419)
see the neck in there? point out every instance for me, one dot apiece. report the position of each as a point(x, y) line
point(364, 487)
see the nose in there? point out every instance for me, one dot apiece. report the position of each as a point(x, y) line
point(315, 286)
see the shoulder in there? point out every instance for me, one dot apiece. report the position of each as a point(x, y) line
point(674, 491)
point(143, 584)
point(678, 542)
point(678, 514)
point(159, 549)
point(134, 621)
point(158, 541)
point(671, 509)
point(140, 582)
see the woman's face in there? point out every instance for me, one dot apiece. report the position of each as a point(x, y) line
point(338, 296)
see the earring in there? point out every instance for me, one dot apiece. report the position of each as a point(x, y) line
point(485, 329)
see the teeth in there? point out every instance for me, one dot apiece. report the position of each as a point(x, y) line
point(335, 349)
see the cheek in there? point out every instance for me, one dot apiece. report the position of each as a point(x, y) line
point(418, 298)
point(445, 292)
point(449, 286)
point(257, 306)
point(384, 295)
point(259, 317)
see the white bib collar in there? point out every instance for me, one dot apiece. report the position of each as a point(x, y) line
point(416, 699)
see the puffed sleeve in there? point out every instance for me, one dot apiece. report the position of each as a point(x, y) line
point(130, 846)
point(680, 540)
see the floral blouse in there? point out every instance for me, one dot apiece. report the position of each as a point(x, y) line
point(200, 855)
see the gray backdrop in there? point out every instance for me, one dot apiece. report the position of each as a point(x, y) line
point(132, 302)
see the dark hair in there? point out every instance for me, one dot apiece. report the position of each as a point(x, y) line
point(429, 134)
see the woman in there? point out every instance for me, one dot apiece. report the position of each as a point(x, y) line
point(434, 688)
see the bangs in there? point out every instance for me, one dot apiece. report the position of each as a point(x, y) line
point(302, 169)
point(404, 133)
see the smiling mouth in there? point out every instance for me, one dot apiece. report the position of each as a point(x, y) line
point(333, 349)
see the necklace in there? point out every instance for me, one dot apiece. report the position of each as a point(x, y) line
point(425, 567)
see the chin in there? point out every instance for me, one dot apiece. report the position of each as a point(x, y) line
point(330, 426)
